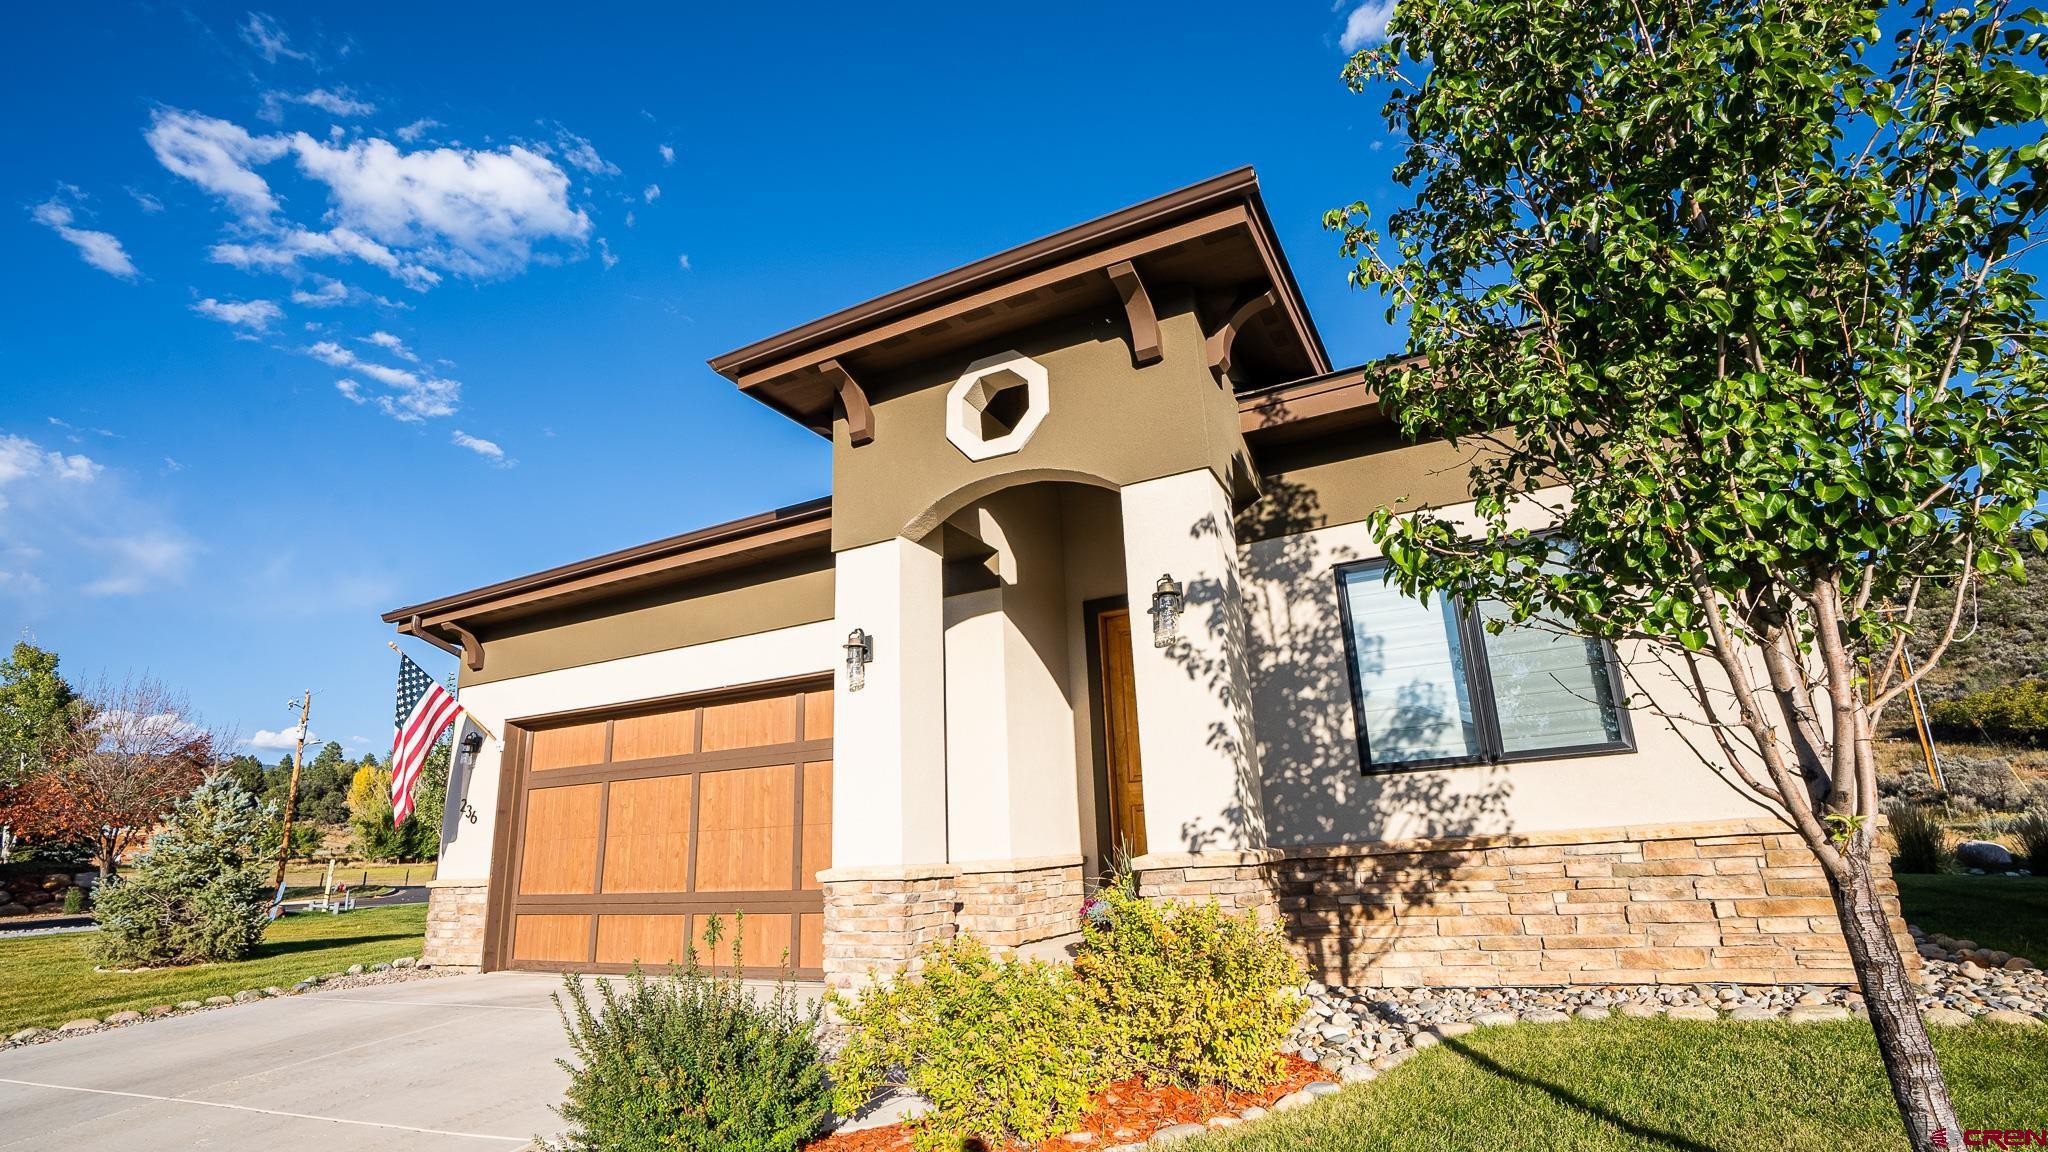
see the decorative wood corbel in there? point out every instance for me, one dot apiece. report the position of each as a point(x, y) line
point(1138, 313)
point(471, 649)
point(1221, 340)
point(860, 419)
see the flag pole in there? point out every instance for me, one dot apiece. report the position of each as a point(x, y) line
point(467, 714)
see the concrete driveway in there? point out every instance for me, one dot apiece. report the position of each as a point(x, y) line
point(462, 1063)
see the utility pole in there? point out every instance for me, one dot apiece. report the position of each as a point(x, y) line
point(291, 793)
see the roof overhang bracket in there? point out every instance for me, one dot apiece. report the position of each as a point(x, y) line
point(860, 419)
point(470, 649)
point(1221, 340)
point(1138, 312)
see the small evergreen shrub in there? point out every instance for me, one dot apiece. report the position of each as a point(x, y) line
point(198, 893)
point(1188, 994)
point(693, 1061)
point(1919, 843)
point(74, 900)
point(2030, 832)
point(1004, 1049)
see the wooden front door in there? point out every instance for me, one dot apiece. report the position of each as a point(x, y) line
point(632, 831)
point(1120, 732)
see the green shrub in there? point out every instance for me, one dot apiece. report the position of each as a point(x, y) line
point(74, 900)
point(198, 894)
point(2016, 712)
point(1919, 843)
point(1187, 993)
point(694, 1062)
point(1004, 1049)
point(2030, 832)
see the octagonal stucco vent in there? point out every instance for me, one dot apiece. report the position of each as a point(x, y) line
point(996, 405)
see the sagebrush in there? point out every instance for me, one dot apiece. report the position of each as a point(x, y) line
point(693, 1062)
point(1919, 842)
point(197, 894)
point(1004, 1049)
point(2030, 833)
point(1187, 993)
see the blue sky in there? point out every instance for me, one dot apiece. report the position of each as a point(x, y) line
point(313, 313)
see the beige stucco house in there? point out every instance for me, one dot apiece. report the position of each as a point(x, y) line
point(1092, 586)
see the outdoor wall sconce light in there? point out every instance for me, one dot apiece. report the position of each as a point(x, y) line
point(472, 743)
point(860, 649)
point(1168, 599)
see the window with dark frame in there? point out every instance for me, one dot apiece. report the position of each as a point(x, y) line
point(1431, 687)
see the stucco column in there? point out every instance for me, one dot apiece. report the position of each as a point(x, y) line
point(1201, 771)
point(889, 740)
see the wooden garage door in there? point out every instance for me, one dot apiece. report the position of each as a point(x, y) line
point(632, 834)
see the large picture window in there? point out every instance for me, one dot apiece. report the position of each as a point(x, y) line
point(1431, 687)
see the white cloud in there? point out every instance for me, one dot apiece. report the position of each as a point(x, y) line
point(629, 219)
point(334, 102)
point(285, 740)
point(412, 395)
point(683, 261)
point(326, 293)
point(652, 193)
point(604, 253)
point(218, 156)
point(391, 344)
point(484, 448)
point(1367, 24)
point(418, 128)
point(255, 315)
point(580, 153)
point(476, 213)
point(99, 249)
point(67, 523)
point(145, 201)
point(668, 154)
point(262, 33)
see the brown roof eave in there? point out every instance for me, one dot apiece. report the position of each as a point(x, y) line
point(768, 532)
point(1241, 185)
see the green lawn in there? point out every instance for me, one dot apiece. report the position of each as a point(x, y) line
point(50, 979)
point(1657, 1084)
point(2009, 913)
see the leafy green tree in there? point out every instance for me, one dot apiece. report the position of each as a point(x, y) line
point(37, 712)
point(198, 894)
point(1725, 292)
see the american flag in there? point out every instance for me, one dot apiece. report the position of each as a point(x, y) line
point(425, 709)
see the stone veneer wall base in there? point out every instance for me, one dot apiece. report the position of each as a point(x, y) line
point(877, 920)
point(455, 924)
point(1726, 902)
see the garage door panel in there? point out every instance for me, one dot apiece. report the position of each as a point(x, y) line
point(750, 724)
point(745, 829)
point(764, 940)
point(645, 940)
point(647, 835)
point(560, 851)
point(817, 821)
point(552, 939)
point(570, 746)
point(633, 831)
point(657, 735)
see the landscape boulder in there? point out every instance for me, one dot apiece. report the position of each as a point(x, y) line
point(1983, 854)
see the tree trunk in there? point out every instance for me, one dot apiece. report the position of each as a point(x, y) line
point(1909, 1060)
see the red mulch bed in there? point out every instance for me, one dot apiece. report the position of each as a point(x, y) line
point(1126, 1112)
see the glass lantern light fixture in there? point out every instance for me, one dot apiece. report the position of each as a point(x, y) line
point(860, 650)
point(1168, 599)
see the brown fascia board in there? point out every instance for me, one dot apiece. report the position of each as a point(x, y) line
point(764, 536)
point(1316, 403)
point(1237, 187)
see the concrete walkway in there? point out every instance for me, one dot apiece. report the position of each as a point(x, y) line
point(463, 1064)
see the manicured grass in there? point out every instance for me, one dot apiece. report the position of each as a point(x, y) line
point(2009, 913)
point(46, 980)
point(353, 875)
point(1657, 1084)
